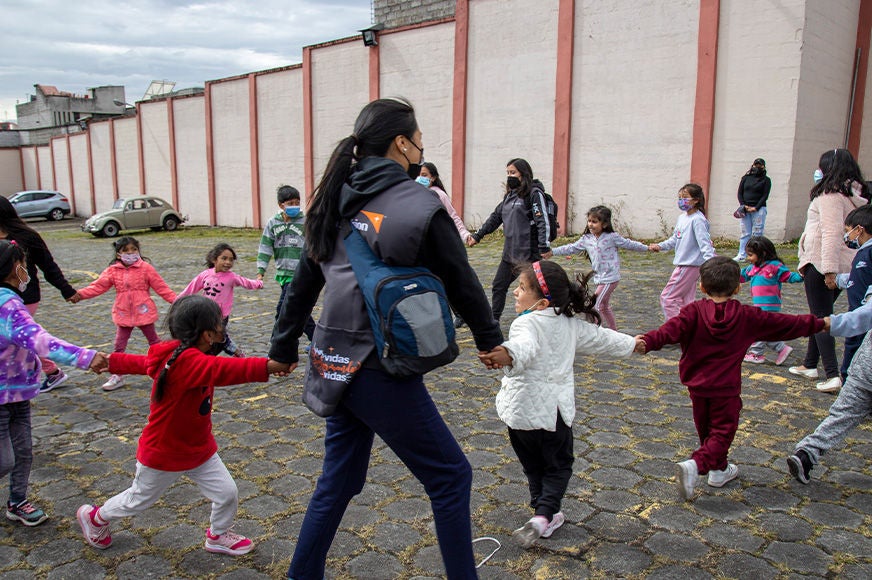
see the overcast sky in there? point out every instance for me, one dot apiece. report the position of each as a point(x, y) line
point(89, 43)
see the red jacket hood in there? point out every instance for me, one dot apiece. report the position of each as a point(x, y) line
point(157, 356)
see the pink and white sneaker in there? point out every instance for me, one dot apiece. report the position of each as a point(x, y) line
point(96, 533)
point(557, 520)
point(228, 543)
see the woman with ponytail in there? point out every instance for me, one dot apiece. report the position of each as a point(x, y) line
point(369, 185)
point(178, 440)
point(537, 397)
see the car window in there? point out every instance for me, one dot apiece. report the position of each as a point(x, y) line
point(154, 203)
point(42, 195)
point(25, 197)
point(139, 204)
point(119, 203)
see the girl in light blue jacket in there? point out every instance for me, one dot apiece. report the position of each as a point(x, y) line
point(22, 342)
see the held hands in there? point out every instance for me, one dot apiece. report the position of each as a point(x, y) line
point(547, 255)
point(826, 324)
point(99, 363)
point(640, 344)
point(497, 358)
point(260, 277)
point(830, 280)
point(75, 298)
point(470, 241)
point(653, 247)
point(279, 369)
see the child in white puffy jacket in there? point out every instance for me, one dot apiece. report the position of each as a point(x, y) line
point(537, 396)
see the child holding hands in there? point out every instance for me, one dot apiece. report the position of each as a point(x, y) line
point(714, 334)
point(537, 396)
point(22, 343)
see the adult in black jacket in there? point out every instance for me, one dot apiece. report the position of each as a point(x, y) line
point(367, 184)
point(753, 192)
point(525, 227)
point(15, 229)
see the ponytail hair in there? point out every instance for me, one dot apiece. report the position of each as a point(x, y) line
point(568, 297)
point(189, 317)
point(377, 125)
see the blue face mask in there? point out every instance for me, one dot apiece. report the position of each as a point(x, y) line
point(292, 211)
point(818, 175)
point(425, 181)
point(685, 203)
point(853, 244)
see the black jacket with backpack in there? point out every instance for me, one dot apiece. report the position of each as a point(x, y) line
point(525, 225)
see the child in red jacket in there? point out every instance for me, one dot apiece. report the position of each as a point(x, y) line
point(178, 440)
point(714, 334)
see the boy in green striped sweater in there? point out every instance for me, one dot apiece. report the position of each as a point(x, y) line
point(283, 240)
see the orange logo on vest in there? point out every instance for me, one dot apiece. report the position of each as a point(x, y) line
point(375, 218)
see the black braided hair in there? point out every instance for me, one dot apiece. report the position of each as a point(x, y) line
point(189, 317)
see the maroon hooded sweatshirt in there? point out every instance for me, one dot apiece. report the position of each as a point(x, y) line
point(714, 338)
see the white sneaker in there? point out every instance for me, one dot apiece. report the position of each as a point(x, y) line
point(720, 477)
point(556, 521)
point(686, 475)
point(803, 372)
point(114, 382)
point(830, 385)
point(531, 531)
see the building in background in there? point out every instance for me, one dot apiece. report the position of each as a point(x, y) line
point(51, 112)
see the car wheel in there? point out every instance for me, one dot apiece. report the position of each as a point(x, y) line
point(110, 230)
point(56, 215)
point(170, 224)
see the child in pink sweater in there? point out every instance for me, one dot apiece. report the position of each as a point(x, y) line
point(217, 283)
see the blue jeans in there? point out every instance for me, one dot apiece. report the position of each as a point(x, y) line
point(402, 413)
point(751, 225)
point(16, 448)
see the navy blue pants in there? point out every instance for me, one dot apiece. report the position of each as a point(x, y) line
point(402, 413)
point(16, 448)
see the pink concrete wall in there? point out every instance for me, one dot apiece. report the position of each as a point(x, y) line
point(127, 157)
point(46, 172)
point(101, 158)
point(190, 131)
point(231, 151)
point(81, 176)
point(61, 165)
point(10, 171)
point(28, 157)
point(155, 149)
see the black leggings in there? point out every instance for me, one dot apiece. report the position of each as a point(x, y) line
point(820, 303)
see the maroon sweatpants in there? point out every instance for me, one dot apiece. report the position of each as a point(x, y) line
point(716, 420)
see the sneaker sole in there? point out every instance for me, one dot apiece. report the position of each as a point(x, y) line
point(680, 476)
point(806, 374)
point(112, 388)
point(724, 482)
point(82, 515)
point(794, 464)
point(526, 535)
point(225, 550)
point(828, 389)
point(26, 522)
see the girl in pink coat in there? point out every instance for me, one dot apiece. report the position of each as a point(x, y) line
point(133, 277)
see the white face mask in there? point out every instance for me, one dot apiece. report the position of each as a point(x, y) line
point(22, 284)
point(818, 175)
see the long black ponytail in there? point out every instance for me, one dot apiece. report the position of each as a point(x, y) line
point(189, 317)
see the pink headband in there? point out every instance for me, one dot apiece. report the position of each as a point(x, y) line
point(537, 268)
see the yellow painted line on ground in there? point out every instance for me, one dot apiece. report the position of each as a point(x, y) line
point(257, 398)
point(88, 273)
point(647, 512)
point(771, 378)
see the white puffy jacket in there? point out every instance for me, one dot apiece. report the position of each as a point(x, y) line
point(540, 381)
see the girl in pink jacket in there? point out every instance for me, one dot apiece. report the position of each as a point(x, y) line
point(133, 277)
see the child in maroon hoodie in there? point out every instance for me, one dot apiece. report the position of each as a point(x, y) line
point(714, 334)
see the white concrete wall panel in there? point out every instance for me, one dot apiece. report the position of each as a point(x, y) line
point(828, 33)
point(340, 89)
point(428, 84)
point(28, 156)
point(81, 175)
point(61, 165)
point(190, 128)
point(634, 88)
point(511, 89)
point(755, 108)
point(10, 171)
point(232, 153)
point(127, 157)
point(156, 149)
point(280, 136)
point(46, 172)
point(101, 157)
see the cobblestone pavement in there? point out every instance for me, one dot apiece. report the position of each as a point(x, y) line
point(624, 516)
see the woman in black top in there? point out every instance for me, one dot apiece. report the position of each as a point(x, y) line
point(14, 228)
point(753, 193)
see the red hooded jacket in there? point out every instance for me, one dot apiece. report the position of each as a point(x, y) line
point(714, 337)
point(178, 435)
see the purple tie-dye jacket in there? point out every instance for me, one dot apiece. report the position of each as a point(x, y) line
point(22, 342)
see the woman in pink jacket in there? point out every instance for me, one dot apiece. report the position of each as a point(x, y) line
point(839, 188)
point(133, 278)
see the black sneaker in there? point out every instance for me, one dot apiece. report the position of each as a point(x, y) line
point(26, 513)
point(800, 466)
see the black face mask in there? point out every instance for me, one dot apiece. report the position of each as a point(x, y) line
point(513, 182)
point(413, 171)
point(217, 348)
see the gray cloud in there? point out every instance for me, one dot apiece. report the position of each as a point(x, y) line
point(102, 42)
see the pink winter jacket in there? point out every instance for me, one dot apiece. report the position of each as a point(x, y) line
point(133, 304)
point(821, 242)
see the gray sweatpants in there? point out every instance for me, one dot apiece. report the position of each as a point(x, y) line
point(851, 406)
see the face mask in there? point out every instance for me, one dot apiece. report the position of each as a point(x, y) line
point(216, 347)
point(852, 244)
point(414, 169)
point(529, 310)
point(423, 181)
point(130, 259)
point(685, 203)
point(292, 211)
point(22, 284)
point(818, 176)
point(513, 182)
